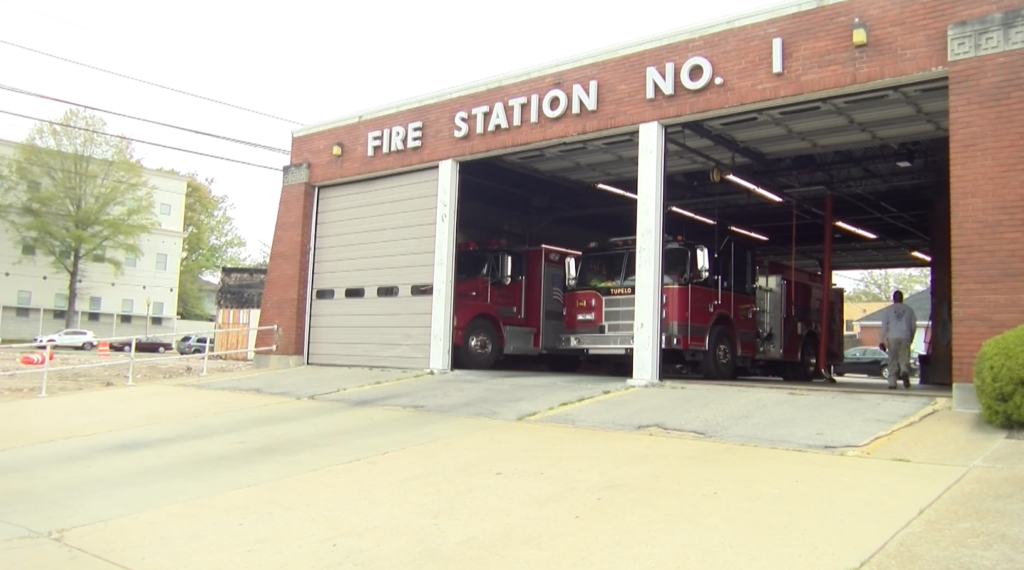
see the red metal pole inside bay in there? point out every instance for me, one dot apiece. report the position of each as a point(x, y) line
point(826, 286)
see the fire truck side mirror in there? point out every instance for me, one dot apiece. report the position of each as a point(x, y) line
point(703, 263)
point(570, 271)
point(505, 276)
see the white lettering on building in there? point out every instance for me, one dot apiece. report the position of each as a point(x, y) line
point(395, 139)
point(553, 105)
point(695, 66)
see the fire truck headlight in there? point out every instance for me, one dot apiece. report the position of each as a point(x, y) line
point(585, 316)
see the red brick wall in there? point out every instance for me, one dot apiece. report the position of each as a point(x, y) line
point(987, 199)
point(284, 293)
point(907, 37)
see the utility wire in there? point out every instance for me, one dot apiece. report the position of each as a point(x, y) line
point(186, 129)
point(278, 169)
point(129, 77)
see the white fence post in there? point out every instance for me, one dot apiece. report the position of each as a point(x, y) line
point(131, 365)
point(46, 368)
point(206, 356)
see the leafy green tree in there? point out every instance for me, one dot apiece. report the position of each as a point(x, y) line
point(879, 285)
point(75, 195)
point(211, 242)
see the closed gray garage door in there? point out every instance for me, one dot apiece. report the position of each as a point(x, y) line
point(373, 270)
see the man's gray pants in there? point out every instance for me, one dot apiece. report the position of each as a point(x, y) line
point(899, 359)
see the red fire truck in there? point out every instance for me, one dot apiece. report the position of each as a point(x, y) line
point(510, 301)
point(723, 315)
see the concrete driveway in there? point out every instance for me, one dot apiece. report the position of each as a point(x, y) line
point(796, 416)
point(162, 477)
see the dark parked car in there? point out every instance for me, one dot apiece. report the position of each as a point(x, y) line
point(148, 344)
point(869, 361)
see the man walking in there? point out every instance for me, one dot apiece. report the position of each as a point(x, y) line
point(899, 324)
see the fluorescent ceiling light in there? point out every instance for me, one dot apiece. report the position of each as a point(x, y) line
point(561, 249)
point(920, 255)
point(748, 233)
point(683, 212)
point(856, 230)
point(903, 163)
point(753, 187)
point(615, 190)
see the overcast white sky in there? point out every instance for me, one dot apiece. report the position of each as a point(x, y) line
point(302, 60)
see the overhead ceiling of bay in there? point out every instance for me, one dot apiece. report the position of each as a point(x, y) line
point(883, 155)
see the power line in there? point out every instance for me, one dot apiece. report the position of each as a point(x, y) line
point(277, 169)
point(129, 77)
point(186, 129)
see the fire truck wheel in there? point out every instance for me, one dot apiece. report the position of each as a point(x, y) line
point(480, 346)
point(805, 370)
point(720, 361)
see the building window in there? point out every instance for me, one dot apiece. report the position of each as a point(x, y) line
point(849, 325)
point(387, 291)
point(25, 298)
point(355, 293)
point(161, 262)
point(60, 315)
point(99, 256)
point(21, 313)
point(165, 209)
point(60, 301)
point(95, 303)
point(131, 261)
point(158, 308)
point(324, 294)
point(421, 290)
point(27, 247)
point(127, 305)
point(94, 317)
point(126, 319)
point(158, 321)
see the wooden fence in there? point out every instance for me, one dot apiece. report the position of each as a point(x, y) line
point(233, 334)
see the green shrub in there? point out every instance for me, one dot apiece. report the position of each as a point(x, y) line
point(999, 379)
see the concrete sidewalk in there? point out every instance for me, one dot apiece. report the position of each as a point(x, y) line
point(174, 477)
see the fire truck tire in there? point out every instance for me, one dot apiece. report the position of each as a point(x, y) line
point(805, 370)
point(563, 363)
point(720, 360)
point(480, 346)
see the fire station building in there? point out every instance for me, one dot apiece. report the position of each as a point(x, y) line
point(827, 134)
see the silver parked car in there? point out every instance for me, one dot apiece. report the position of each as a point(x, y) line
point(194, 344)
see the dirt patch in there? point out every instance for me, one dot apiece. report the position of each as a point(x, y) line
point(148, 369)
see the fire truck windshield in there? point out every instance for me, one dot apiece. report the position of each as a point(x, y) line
point(604, 269)
point(618, 269)
point(469, 264)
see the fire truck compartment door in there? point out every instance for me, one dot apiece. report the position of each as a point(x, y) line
point(373, 270)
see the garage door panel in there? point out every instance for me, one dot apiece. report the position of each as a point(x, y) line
point(368, 321)
point(361, 360)
point(372, 234)
point(339, 274)
point(345, 202)
point(400, 220)
point(411, 348)
point(425, 205)
point(374, 263)
point(408, 336)
point(417, 246)
point(339, 235)
point(385, 184)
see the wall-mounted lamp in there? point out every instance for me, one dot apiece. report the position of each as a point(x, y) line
point(860, 33)
point(338, 149)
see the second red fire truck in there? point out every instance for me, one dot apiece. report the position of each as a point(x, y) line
point(722, 314)
point(510, 301)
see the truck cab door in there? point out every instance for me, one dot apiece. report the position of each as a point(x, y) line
point(508, 287)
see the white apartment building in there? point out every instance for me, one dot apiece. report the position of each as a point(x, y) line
point(142, 299)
